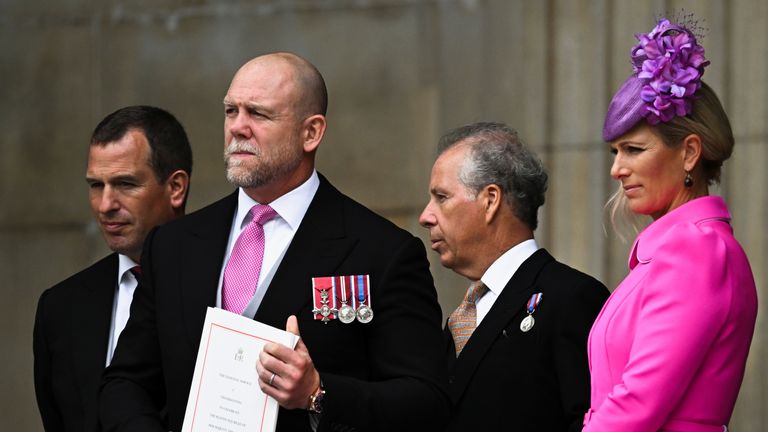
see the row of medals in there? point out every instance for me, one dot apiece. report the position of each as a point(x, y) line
point(345, 313)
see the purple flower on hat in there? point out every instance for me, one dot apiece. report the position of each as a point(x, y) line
point(667, 67)
point(669, 63)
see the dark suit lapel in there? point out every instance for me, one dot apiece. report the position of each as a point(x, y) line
point(91, 320)
point(203, 257)
point(317, 249)
point(511, 301)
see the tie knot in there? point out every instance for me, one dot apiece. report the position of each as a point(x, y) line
point(262, 213)
point(136, 270)
point(464, 319)
point(475, 291)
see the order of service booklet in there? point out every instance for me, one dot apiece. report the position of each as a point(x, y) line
point(225, 394)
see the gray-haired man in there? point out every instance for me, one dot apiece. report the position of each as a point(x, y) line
point(516, 346)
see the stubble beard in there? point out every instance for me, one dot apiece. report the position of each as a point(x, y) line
point(268, 166)
point(128, 245)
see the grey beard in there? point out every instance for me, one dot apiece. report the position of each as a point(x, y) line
point(266, 171)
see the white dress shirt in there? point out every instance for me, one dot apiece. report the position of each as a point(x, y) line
point(278, 233)
point(121, 305)
point(500, 272)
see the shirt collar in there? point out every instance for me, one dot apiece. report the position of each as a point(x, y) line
point(291, 206)
point(694, 211)
point(124, 264)
point(501, 271)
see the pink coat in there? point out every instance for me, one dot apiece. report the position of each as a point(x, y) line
point(668, 350)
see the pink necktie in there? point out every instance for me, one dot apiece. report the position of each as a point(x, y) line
point(463, 320)
point(241, 277)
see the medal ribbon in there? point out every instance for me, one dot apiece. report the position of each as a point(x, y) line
point(533, 302)
point(320, 284)
point(316, 296)
point(343, 289)
point(352, 297)
point(360, 289)
point(333, 294)
point(333, 298)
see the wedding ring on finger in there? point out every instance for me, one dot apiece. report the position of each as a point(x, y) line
point(271, 379)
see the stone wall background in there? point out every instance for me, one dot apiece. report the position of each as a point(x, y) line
point(400, 73)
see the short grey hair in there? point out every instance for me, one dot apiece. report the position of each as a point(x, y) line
point(496, 156)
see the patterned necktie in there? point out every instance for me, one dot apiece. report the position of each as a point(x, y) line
point(241, 277)
point(464, 319)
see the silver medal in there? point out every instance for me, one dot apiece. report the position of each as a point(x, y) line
point(346, 314)
point(325, 310)
point(527, 323)
point(364, 314)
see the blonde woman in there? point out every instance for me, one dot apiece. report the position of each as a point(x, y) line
point(668, 350)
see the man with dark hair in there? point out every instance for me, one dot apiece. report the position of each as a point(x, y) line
point(379, 372)
point(516, 345)
point(139, 166)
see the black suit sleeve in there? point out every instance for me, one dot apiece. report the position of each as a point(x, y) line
point(579, 312)
point(405, 390)
point(132, 392)
point(49, 412)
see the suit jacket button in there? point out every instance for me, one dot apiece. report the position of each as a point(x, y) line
point(450, 379)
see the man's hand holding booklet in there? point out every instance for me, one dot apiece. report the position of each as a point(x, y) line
point(225, 393)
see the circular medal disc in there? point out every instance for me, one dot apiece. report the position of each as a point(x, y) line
point(527, 323)
point(325, 311)
point(346, 314)
point(364, 314)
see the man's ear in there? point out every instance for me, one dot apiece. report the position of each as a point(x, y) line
point(178, 185)
point(691, 151)
point(313, 129)
point(491, 198)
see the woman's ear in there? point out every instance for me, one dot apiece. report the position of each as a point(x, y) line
point(691, 151)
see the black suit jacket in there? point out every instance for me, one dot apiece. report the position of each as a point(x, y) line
point(384, 375)
point(70, 341)
point(506, 379)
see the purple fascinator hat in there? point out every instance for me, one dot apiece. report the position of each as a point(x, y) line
point(668, 64)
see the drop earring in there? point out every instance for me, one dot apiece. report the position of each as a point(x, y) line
point(688, 182)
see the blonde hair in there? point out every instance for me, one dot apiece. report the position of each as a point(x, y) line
point(709, 121)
